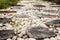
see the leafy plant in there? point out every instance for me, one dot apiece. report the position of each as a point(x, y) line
point(39, 38)
point(7, 3)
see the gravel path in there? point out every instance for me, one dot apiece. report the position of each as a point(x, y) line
point(30, 20)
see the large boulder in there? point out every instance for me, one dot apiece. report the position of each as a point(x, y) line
point(39, 32)
point(55, 23)
point(5, 20)
point(4, 34)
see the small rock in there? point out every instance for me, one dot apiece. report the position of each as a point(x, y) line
point(27, 39)
point(20, 39)
point(52, 38)
point(4, 34)
point(1, 24)
point(5, 20)
point(51, 29)
point(59, 32)
point(32, 39)
point(55, 22)
point(9, 39)
point(57, 37)
point(25, 36)
point(40, 32)
point(23, 32)
point(14, 37)
point(46, 39)
point(20, 35)
point(58, 28)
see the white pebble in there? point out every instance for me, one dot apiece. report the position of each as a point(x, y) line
point(23, 32)
point(20, 35)
point(26, 39)
point(0, 24)
point(46, 39)
point(59, 32)
point(9, 39)
point(52, 38)
point(32, 39)
point(14, 38)
point(57, 37)
point(50, 29)
point(58, 28)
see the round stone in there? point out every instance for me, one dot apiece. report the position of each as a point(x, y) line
point(32, 39)
point(4, 34)
point(52, 38)
point(20, 35)
point(59, 32)
point(55, 22)
point(14, 37)
point(40, 32)
point(25, 36)
point(57, 37)
point(46, 39)
point(9, 39)
point(20, 39)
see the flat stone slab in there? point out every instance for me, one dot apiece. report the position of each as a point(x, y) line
point(4, 34)
point(21, 16)
point(7, 11)
point(55, 22)
point(46, 16)
point(5, 20)
point(39, 5)
point(40, 32)
point(54, 5)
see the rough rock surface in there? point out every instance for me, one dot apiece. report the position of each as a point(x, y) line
point(55, 23)
point(28, 13)
point(4, 34)
point(40, 32)
point(5, 20)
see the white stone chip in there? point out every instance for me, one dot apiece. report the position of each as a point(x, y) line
point(20, 39)
point(46, 39)
point(14, 38)
point(52, 38)
point(32, 39)
point(57, 37)
point(9, 39)
point(59, 32)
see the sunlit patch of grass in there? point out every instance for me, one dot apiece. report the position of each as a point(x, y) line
point(7, 3)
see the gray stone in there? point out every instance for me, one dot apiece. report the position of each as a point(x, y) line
point(46, 16)
point(5, 20)
point(21, 16)
point(4, 34)
point(17, 7)
point(56, 23)
point(39, 5)
point(7, 11)
point(40, 32)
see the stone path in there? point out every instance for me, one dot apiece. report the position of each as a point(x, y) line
point(30, 14)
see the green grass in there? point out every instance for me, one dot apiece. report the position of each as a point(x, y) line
point(7, 3)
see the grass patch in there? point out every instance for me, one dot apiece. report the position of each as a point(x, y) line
point(7, 3)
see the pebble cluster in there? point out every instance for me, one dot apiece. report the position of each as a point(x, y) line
point(32, 19)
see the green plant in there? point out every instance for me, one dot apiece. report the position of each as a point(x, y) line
point(39, 38)
point(7, 3)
